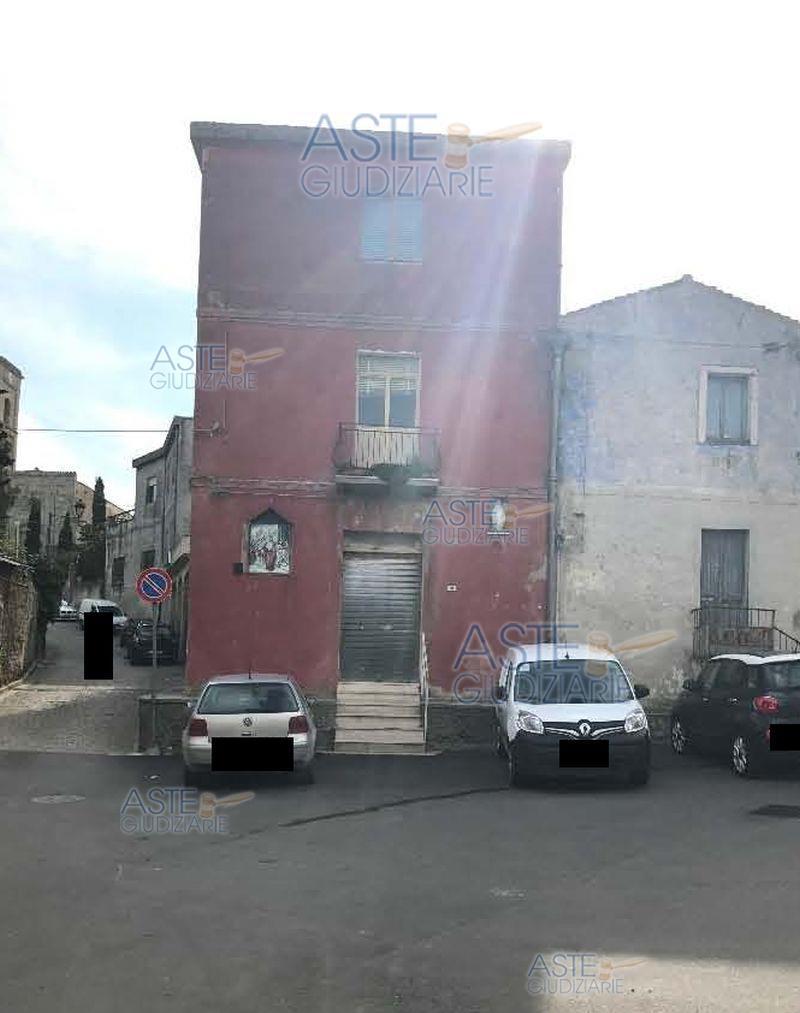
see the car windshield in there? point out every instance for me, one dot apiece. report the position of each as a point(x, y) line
point(113, 609)
point(783, 675)
point(568, 681)
point(249, 698)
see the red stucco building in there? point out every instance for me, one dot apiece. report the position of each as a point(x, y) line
point(373, 406)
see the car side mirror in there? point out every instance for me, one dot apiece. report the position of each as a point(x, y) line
point(640, 691)
point(689, 684)
point(500, 692)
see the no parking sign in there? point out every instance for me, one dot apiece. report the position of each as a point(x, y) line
point(154, 585)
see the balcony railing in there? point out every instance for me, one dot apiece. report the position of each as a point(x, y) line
point(382, 451)
point(721, 629)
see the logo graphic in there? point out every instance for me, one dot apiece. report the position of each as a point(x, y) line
point(636, 645)
point(570, 973)
point(459, 140)
point(247, 722)
point(171, 810)
point(584, 729)
point(238, 359)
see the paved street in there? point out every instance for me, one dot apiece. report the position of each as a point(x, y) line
point(56, 709)
point(416, 883)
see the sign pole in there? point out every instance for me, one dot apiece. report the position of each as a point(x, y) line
point(153, 673)
point(154, 585)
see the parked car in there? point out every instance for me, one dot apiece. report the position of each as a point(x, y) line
point(102, 605)
point(126, 632)
point(66, 612)
point(139, 646)
point(241, 707)
point(566, 707)
point(733, 707)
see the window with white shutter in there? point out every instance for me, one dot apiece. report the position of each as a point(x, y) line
point(391, 230)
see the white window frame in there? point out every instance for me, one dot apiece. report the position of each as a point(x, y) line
point(363, 353)
point(752, 403)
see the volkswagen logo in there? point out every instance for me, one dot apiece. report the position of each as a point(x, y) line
point(584, 729)
point(247, 722)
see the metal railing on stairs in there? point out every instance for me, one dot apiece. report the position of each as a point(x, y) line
point(424, 685)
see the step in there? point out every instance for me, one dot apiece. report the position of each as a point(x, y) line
point(385, 735)
point(378, 689)
point(375, 723)
point(372, 709)
point(395, 749)
point(387, 702)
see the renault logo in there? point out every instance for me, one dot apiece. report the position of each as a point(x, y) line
point(584, 729)
point(247, 722)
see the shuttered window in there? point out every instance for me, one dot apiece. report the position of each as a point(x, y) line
point(727, 409)
point(391, 230)
point(388, 388)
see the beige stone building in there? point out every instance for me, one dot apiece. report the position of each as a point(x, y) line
point(679, 487)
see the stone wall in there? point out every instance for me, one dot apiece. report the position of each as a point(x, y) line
point(18, 610)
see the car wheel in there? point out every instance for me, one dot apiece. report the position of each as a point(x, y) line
point(743, 762)
point(678, 738)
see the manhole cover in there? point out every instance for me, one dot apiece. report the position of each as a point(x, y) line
point(57, 799)
point(786, 811)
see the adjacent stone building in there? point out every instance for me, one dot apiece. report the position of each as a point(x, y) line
point(679, 464)
point(10, 386)
point(156, 531)
point(59, 492)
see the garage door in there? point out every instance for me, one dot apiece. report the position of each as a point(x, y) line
point(380, 616)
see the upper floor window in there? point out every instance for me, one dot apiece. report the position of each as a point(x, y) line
point(391, 229)
point(7, 411)
point(728, 406)
point(118, 571)
point(388, 389)
point(269, 544)
point(148, 558)
point(151, 490)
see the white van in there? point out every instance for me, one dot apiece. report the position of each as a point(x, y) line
point(102, 605)
point(563, 707)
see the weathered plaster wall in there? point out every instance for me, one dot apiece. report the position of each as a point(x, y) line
point(638, 488)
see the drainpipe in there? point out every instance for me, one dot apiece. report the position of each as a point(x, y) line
point(552, 481)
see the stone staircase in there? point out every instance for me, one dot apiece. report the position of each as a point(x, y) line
point(378, 717)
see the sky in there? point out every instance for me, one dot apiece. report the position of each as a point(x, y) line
point(683, 121)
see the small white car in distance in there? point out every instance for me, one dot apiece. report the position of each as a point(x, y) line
point(102, 605)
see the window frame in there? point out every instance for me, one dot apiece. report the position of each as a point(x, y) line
point(145, 552)
point(750, 373)
point(375, 353)
point(392, 238)
point(151, 482)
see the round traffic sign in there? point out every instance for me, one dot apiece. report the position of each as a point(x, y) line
point(154, 585)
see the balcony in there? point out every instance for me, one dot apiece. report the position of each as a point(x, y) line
point(732, 629)
point(386, 457)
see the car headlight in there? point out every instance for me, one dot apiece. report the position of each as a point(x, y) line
point(635, 722)
point(529, 722)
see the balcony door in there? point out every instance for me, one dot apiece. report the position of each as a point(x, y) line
point(388, 409)
point(723, 568)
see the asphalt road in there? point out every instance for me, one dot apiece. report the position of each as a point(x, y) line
point(63, 664)
point(413, 883)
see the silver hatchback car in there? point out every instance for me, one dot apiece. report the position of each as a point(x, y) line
point(249, 724)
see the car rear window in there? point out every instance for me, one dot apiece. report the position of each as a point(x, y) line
point(782, 675)
point(248, 698)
